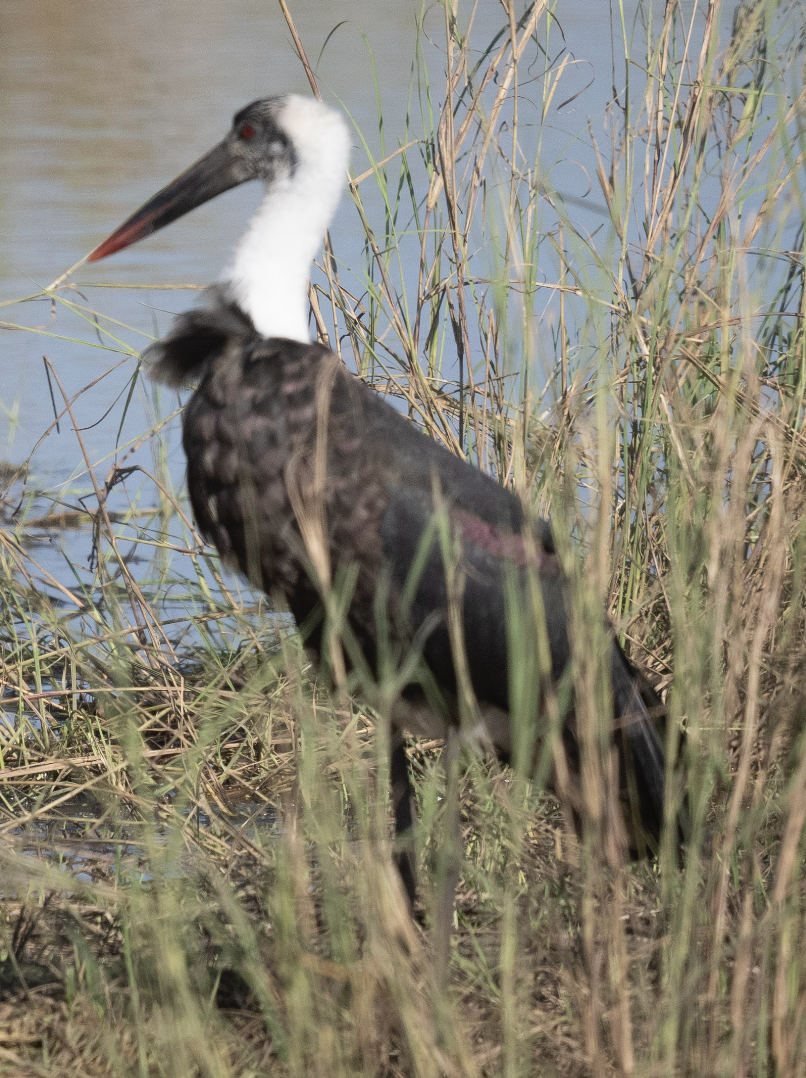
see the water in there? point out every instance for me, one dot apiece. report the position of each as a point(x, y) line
point(96, 846)
point(102, 104)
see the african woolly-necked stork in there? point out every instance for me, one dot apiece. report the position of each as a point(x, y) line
point(303, 476)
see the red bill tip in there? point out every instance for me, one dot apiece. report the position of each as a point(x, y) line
point(125, 236)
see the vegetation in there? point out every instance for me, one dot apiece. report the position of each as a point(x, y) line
point(195, 836)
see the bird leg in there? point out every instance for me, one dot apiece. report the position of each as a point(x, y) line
point(449, 861)
point(405, 817)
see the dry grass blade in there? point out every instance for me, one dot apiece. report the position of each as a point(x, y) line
point(197, 867)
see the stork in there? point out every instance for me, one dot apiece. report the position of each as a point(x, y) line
point(300, 475)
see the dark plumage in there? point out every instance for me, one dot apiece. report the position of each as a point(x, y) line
point(262, 410)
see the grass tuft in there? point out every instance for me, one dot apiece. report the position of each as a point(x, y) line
point(195, 835)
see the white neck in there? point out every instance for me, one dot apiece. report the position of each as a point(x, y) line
point(270, 272)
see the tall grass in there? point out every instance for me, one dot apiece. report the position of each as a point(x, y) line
point(196, 842)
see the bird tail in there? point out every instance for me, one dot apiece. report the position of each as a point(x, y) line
point(640, 737)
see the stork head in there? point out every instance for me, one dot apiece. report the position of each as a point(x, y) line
point(271, 140)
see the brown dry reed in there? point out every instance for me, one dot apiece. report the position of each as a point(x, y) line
point(195, 834)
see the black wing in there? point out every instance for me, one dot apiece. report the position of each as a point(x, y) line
point(497, 560)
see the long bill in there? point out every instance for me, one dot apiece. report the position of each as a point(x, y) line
point(216, 172)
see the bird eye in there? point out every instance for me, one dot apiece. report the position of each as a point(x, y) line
point(247, 132)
